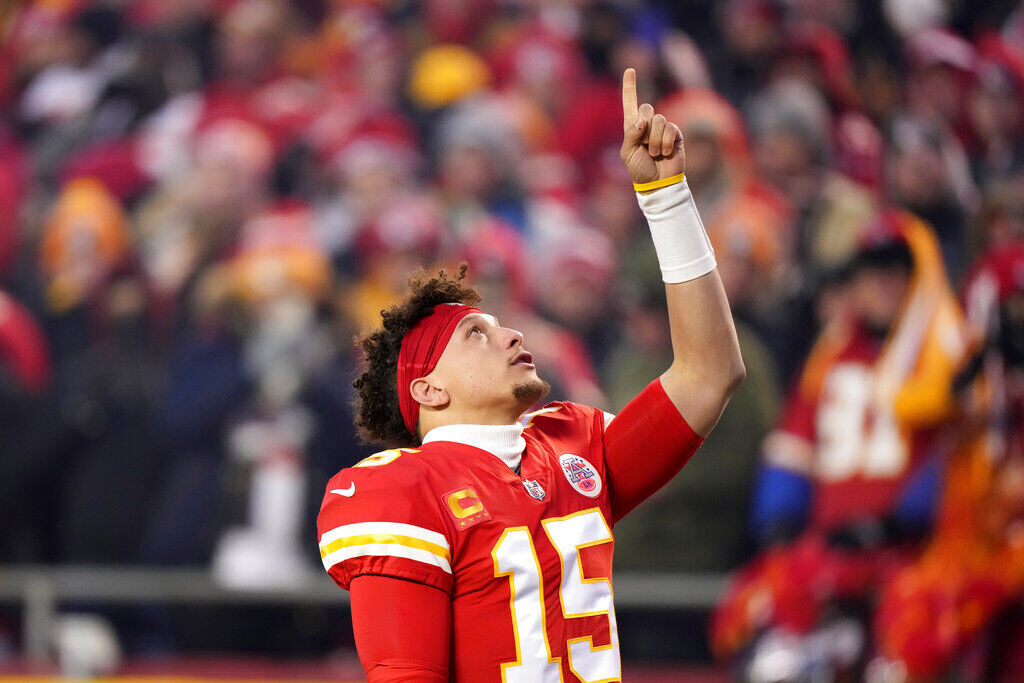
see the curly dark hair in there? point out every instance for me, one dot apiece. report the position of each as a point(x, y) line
point(378, 417)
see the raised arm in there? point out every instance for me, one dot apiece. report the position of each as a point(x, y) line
point(706, 366)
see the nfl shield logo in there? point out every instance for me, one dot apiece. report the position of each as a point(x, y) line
point(534, 489)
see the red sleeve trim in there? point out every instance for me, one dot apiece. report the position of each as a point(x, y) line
point(645, 447)
point(345, 572)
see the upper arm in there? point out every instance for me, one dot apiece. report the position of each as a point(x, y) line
point(646, 444)
point(402, 629)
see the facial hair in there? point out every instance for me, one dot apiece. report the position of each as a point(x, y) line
point(528, 393)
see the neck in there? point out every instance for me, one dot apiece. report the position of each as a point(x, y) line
point(503, 441)
point(432, 418)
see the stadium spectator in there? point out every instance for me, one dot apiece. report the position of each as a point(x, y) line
point(936, 615)
point(851, 472)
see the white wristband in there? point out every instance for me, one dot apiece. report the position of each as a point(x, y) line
point(683, 248)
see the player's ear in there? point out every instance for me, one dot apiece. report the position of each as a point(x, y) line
point(427, 392)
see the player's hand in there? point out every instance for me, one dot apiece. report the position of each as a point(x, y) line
point(652, 148)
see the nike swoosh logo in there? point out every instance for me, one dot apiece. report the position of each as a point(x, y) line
point(348, 493)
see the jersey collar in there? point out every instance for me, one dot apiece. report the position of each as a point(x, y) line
point(505, 442)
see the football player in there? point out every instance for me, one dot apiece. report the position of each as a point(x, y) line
point(479, 548)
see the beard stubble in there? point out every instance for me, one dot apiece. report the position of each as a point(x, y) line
point(528, 393)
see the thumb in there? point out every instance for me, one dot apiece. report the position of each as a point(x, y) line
point(634, 132)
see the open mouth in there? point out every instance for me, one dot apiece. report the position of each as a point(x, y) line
point(524, 358)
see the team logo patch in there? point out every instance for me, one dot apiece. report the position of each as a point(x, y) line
point(581, 474)
point(466, 508)
point(534, 489)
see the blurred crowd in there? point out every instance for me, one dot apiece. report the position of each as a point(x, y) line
point(202, 201)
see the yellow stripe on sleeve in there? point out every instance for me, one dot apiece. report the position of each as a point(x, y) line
point(385, 539)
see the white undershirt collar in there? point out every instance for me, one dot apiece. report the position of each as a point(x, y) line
point(505, 442)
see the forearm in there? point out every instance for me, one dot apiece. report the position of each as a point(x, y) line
point(706, 362)
point(707, 365)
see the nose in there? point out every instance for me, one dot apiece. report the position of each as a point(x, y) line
point(515, 337)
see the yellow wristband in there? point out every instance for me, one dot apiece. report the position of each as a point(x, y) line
point(656, 184)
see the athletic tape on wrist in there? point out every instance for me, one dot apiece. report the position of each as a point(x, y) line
point(683, 248)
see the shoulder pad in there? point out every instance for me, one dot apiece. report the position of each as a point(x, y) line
point(384, 457)
point(557, 410)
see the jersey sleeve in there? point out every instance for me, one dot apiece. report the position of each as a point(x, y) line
point(402, 630)
point(381, 520)
point(645, 447)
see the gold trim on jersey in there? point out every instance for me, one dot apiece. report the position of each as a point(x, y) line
point(388, 539)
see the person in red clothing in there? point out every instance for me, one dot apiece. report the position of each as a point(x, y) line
point(955, 612)
point(479, 547)
point(850, 475)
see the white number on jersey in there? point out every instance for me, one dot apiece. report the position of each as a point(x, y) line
point(515, 557)
point(854, 435)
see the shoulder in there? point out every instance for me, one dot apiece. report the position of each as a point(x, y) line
point(565, 423)
point(385, 468)
point(386, 486)
point(560, 413)
point(381, 517)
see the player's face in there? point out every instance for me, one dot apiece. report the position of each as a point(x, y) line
point(485, 367)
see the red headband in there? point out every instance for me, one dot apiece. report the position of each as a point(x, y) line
point(422, 347)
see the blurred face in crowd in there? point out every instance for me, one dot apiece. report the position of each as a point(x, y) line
point(613, 208)
point(1003, 217)
point(877, 293)
point(878, 86)
point(222, 194)
point(575, 299)
point(250, 38)
point(832, 302)
point(787, 161)
point(937, 90)
point(995, 108)
point(703, 158)
point(801, 67)
point(495, 287)
point(468, 172)
point(231, 164)
point(738, 277)
point(370, 184)
point(750, 31)
point(919, 177)
point(639, 55)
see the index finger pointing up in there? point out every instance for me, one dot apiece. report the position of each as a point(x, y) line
point(629, 106)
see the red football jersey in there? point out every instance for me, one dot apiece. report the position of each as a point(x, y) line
point(850, 444)
point(526, 558)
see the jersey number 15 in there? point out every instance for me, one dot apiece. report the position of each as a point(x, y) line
point(515, 557)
